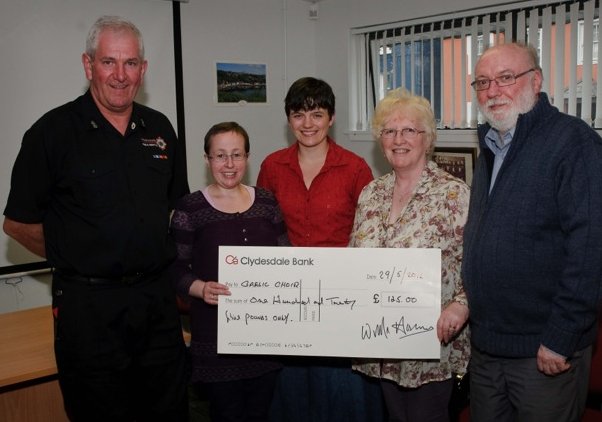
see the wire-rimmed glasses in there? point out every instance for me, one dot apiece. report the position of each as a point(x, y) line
point(408, 133)
point(504, 79)
point(220, 157)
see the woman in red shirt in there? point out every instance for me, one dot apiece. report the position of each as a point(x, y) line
point(317, 184)
point(316, 181)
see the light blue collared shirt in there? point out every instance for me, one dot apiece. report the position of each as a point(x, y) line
point(499, 146)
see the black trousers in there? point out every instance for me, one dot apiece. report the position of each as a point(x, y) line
point(427, 403)
point(119, 350)
point(246, 400)
point(513, 390)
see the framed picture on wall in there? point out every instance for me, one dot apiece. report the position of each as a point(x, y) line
point(458, 162)
point(241, 83)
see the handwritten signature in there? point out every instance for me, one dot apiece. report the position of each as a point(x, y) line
point(400, 328)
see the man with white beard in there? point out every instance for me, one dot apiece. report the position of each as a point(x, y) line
point(532, 264)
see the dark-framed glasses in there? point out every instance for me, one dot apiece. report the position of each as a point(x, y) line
point(408, 133)
point(504, 79)
point(220, 157)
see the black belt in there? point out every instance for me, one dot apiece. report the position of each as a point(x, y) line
point(105, 281)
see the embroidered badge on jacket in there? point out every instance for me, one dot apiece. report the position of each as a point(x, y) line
point(157, 142)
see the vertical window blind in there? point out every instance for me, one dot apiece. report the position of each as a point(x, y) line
point(435, 57)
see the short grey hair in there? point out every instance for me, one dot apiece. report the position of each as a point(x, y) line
point(402, 100)
point(112, 23)
point(529, 50)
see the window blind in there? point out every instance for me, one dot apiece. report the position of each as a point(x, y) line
point(435, 57)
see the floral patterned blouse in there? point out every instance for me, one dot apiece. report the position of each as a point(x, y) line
point(434, 217)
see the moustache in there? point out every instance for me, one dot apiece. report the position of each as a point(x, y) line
point(497, 102)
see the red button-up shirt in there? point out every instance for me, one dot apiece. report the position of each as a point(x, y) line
point(323, 214)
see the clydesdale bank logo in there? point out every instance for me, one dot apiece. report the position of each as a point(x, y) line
point(274, 261)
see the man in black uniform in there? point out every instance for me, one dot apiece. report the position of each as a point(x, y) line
point(91, 190)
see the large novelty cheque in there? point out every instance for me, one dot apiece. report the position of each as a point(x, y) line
point(353, 302)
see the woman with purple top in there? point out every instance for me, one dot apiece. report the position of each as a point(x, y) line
point(227, 212)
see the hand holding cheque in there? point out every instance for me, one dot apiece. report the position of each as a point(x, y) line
point(354, 302)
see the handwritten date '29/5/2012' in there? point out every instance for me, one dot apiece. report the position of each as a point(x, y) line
point(396, 275)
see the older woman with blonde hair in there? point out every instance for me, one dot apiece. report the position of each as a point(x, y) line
point(417, 205)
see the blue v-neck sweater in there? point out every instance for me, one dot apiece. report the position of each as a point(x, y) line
point(532, 263)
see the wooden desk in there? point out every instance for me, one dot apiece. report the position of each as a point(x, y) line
point(29, 390)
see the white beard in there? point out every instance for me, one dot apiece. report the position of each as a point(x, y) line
point(523, 103)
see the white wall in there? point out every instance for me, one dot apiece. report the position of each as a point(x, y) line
point(274, 32)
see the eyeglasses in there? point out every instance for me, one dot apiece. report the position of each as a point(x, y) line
point(506, 79)
point(408, 133)
point(222, 158)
